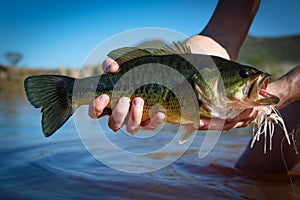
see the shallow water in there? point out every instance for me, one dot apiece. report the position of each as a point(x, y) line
point(60, 167)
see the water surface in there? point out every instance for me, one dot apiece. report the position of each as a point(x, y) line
point(60, 167)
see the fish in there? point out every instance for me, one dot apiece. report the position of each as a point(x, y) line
point(183, 85)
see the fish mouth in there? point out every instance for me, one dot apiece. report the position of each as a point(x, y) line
point(257, 92)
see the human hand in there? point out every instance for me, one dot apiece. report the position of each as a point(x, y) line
point(287, 87)
point(242, 120)
point(124, 107)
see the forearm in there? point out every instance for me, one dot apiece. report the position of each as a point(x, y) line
point(230, 23)
point(287, 87)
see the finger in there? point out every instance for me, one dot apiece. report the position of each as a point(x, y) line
point(110, 66)
point(213, 124)
point(249, 118)
point(154, 121)
point(136, 112)
point(119, 113)
point(253, 115)
point(242, 120)
point(239, 125)
point(204, 123)
point(243, 116)
point(216, 124)
point(96, 107)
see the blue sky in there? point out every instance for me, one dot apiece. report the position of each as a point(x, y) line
point(62, 33)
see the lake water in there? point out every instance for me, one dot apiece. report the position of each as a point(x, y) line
point(61, 167)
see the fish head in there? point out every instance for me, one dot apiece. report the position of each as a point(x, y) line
point(246, 86)
point(232, 84)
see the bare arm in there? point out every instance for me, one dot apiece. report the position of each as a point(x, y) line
point(227, 28)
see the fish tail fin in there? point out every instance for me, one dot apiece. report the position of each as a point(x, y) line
point(52, 93)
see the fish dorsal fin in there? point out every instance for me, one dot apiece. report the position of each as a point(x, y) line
point(177, 48)
point(125, 54)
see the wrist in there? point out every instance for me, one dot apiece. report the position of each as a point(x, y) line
point(279, 89)
point(287, 87)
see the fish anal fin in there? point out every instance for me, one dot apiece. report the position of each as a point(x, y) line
point(187, 131)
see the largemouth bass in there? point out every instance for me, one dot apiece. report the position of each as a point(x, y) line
point(205, 87)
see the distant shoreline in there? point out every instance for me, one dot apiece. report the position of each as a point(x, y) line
point(12, 78)
point(274, 55)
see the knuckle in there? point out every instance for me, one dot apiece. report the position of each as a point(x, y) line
point(110, 65)
point(98, 108)
point(157, 119)
point(92, 114)
point(118, 115)
point(132, 129)
point(117, 122)
point(151, 128)
point(92, 110)
point(113, 124)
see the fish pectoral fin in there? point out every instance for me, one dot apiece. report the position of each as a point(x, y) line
point(187, 131)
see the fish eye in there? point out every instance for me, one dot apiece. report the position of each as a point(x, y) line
point(244, 73)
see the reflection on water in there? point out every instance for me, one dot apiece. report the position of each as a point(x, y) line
point(59, 167)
